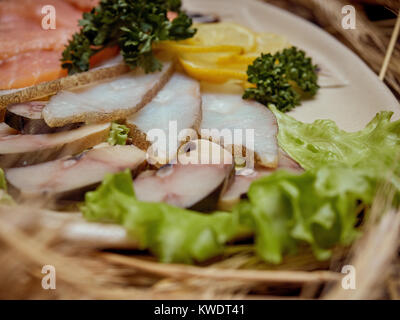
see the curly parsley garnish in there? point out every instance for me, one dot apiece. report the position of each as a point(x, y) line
point(279, 77)
point(133, 25)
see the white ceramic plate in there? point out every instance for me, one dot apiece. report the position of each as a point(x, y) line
point(351, 106)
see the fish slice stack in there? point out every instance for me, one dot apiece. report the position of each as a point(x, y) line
point(56, 146)
point(190, 144)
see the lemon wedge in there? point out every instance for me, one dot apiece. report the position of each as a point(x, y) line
point(224, 33)
point(180, 47)
point(211, 72)
point(208, 58)
point(237, 59)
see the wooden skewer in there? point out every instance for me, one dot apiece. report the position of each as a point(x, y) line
point(390, 49)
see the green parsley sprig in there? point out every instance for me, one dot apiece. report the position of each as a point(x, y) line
point(276, 77)
point(133, 25)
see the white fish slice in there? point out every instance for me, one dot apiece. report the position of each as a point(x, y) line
point(229, 112)
point(73, 174)
point(240, 186)
point(6, 130)
point(195, 181)
point(181, 185)
point(245, 177)
point(110, 100)
point(174, 110)
point(20, 150)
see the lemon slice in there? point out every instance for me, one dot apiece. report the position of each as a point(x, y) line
point(212, 73)
point(237, 59)
point(270, 43)
point(224, 33)
point(266, 43)
point(246, 85)
point(222, 52)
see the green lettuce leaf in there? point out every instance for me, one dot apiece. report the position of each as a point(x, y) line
point(316, 207)
point(171, 233)
point(319, 143)
point(118, 134)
